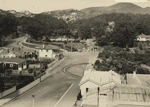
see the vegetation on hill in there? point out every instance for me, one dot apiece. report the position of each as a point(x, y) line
point(121, 61)
point(8, 26)
point(118, 29)
point(43, 25)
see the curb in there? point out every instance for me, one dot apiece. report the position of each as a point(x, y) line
point(76, 76)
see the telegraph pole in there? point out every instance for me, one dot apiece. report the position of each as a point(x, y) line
point(33, 99)
point(98, 89)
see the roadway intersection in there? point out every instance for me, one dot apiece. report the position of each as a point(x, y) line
point(59, 90)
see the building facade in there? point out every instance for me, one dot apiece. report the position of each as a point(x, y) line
point(46, 53)
point(13, 64)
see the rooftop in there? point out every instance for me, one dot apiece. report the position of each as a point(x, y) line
point(130, 96)
point(100, 77)
point(130, 105)
point(140, 79)
point(49, 47)
point(4, 52)
point(12, 60)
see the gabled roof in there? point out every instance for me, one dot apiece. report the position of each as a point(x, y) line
point(12, 60)
point(51, 47)
point(140, 79)
point(100, 77)
point(131, 93)
point(4, 52)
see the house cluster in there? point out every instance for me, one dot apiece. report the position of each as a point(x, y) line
point(20, 64)
point(109, 89)
point(46, 53)
point(62, 39)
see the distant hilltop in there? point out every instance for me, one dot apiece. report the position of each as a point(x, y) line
point(72, 14)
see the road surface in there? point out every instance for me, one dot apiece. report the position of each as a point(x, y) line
point(59, 90)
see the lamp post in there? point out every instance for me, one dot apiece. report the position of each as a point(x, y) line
point(98, 89)
point(33, 99)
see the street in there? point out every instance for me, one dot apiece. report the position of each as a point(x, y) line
point(59, 89)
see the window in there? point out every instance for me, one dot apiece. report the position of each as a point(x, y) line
point(45, 55)
point(11, 65)
point(87, 89)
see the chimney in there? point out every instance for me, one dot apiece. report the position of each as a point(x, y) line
point(134, 74)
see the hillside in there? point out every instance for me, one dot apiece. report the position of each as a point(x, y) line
point(119, 7)
point(68, 14)
point(125, 8)
point(72, 15)
point(22, 13)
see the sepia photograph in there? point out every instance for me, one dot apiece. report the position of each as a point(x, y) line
point(74, 53)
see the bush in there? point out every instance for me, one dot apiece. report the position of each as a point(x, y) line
point(79, 96)
point(23, 81)
point(97, 64)
point(142, 71)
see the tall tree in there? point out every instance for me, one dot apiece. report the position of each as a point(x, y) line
point(8, 25)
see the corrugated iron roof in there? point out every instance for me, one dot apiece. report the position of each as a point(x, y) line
point(12, 60)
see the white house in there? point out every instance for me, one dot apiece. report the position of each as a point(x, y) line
point(101, 79)
point(143, 38)
point(114, 94)
point(9, 54)
point(46, 53)
point(49, 53)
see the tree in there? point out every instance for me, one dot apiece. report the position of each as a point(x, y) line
point(8, 25)
point(44, 25)
point(2, 84)
point(97, 64)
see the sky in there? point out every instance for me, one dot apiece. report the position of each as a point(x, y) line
point(38, 6)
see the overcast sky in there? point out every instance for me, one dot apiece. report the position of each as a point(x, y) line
point(37, 6)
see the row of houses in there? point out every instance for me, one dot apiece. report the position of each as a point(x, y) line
point(43, 52)
point(11, 61)
point(109, 89)
point(62, 39)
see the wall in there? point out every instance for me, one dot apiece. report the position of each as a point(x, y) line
point(88, 84)
point(115, 77)
point(34, 65)
point(6, 92)
point(45, 76)
point(27, 87)
point(43, 53)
